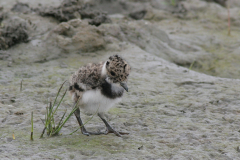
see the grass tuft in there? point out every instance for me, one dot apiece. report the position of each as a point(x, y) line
point(49, 122)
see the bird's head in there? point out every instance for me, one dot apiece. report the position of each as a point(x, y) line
point(117, 71)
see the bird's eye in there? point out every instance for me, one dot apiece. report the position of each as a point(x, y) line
point(112, 73)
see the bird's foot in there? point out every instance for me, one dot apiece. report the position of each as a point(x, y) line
point(85, 132)
point(119, 134)
point(110, 129)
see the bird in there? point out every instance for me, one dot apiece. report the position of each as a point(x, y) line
point(96, 87)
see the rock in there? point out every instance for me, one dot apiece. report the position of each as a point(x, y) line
point(156, 15)
point(164, 4)
point(63, 65)
point(14, 31)
point(78, 36)
point(179, 11)
point(21, 7)
point(234, 15)
point(233, 3)
point(221, 2)
point(64, 12)
point(71, 9)
point(9, 64)
point(99, 19)
point(157, 42)
point(238, 148)
point(138, 14)
point(3, 15)
point(195, 5)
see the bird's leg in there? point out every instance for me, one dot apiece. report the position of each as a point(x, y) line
point(83, 129)
point(110, 129)
point(77, 115)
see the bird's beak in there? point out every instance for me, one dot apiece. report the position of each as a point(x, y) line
point(124, 85)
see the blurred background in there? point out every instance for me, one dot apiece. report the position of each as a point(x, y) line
point(201, 34)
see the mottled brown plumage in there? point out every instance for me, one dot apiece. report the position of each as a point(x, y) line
point(86, 78)
point(89, 75)
point(117, 69)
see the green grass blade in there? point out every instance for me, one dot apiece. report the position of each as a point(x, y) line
point(32, 127)
point(43, 132)
point(60, 102)
point(190, 68)
point(49, 123)
point(46, 116)
point(73, 110)
point(50, 119)
point(60, 127)
point(58, 93)
point(60, 122)
point(52, 113)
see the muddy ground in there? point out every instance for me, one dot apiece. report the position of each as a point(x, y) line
point(184, 86)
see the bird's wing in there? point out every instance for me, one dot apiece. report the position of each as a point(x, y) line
point(86, 78)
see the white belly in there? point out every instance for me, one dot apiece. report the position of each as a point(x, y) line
point(93, 101)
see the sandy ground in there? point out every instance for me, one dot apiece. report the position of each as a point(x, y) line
point(171, 111)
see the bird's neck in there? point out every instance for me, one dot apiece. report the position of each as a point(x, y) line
point(111, 90)
point(104, 70)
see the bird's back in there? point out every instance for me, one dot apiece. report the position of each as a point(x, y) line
point(86, 78)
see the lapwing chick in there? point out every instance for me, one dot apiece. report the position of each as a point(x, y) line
point(97, 87)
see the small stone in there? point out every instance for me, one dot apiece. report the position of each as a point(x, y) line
point(9, 64)
point(238, 148)
point(9, 139)
point(12, 100)
point(140, 148)
point(138, 14)
point(63, 65)
point(71, 156)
